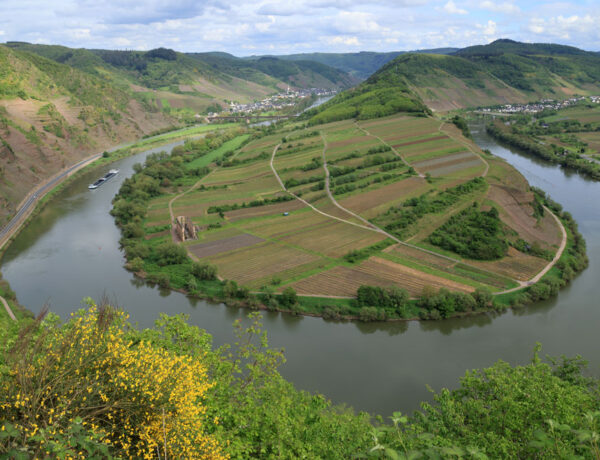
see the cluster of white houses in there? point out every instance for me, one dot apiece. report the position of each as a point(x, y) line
point(544, 104)
point(278, 101)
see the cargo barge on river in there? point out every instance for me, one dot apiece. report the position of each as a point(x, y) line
point(102, 180)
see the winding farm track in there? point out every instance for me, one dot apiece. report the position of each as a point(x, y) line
point(369, 225)
point(309, 204)
point(7, 307)
point(547, 268)
point(398, 154)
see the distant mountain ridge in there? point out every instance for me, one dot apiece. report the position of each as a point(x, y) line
point(360, 65)
point(60, 104)
point(300, 73)
point(504, 71)
point(198, 81)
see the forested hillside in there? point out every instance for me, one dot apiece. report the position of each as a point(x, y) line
point(360, 65)
point(384, 93)
point(502, 72)
point(52, 115)
point(302, 73)
point(186, 84)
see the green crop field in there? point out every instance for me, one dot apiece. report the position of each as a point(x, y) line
point(330, 237)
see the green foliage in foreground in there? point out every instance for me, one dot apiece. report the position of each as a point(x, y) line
point(539, 410)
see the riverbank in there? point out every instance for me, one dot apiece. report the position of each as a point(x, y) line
point(570, 161)
point(154, 257)
point(40, 196)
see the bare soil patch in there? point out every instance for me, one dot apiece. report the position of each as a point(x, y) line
point(420, 141)
point(279, 208)
point(455, 166)
point(518, 214)
point(227, 244)
point(365, 201)
point(345, 281)
point(443, 161)
point(515, 265)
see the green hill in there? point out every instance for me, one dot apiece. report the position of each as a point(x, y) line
point(301, 73)
point(360, 65)
point(53, 115)
point(186, 84)
point(384, 93)
point(501, 72)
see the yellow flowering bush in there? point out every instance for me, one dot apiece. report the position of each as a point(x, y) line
point(139, 399)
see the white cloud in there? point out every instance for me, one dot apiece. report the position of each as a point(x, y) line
point(356, 22)
point(451, 8)
point(121, 41)
point(489, 29)
point(504, 7)
point(288, 26)
point(339, 40)
point(79, 34)
point(280, 9)
point(566, 27)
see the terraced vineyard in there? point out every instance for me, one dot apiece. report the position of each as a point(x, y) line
point(332, 207)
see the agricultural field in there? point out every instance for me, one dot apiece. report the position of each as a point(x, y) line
point(574, 129)
point(329, 208)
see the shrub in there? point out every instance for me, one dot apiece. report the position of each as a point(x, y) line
point(136, 265)
point(288, 297)
point(130, 394)
point(368, 314)
point(204, 271)
point(170, 253)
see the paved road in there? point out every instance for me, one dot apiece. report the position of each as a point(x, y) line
point(44, 188)
point(40, 192)
point(7, 307)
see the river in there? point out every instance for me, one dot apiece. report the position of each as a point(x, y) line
point(70, 251)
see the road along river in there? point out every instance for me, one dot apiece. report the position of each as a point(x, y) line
point(70, 251)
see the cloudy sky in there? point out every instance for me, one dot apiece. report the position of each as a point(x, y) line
point(283, 27)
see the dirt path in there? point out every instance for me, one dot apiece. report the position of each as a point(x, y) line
point(547, 268)
point(369, 226)
point(306, 202)
point(7, 307)
point(330, 195)
point(192, 188)
point(398, 154)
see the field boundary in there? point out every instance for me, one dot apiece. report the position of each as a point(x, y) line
point(306, 202)
point(398, 154)
point(375, 228)
point(547, 268)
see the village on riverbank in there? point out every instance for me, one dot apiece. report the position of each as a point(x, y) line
point(540, 106)
point(276, 102)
